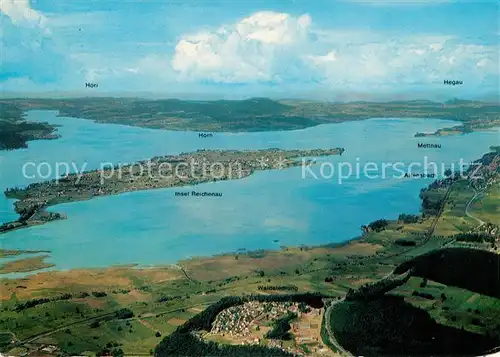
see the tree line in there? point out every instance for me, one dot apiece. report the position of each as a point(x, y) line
point(281, 328)
point(20, 306)
point(182, 342)
point(472, 269)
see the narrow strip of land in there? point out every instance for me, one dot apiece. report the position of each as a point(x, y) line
point(186, 169)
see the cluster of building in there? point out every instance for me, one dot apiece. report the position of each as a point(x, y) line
point(242, 325)
point(238, 320)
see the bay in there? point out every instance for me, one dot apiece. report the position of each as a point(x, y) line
point(263, 211)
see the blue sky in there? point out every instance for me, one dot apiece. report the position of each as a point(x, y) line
point(332, 49)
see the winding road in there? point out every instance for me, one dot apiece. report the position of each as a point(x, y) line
point(471, 201)
point(430, 232)
point(331, 335)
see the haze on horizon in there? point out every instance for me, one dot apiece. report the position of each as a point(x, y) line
point(340, 50)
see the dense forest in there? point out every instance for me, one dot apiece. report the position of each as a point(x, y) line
point(378, 225)
point(15, 131)
point(408, 218)
point(185, 344)
point(281, 328)
point(390, 326)
point(431, 207)
point(472, 269)
point(375, 289)
point(474, 237)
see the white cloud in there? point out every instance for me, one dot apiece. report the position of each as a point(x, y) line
point(409, 60)
point(280, 48)
point(320, 60)
point(21, 13)
point(262, 49)
point(114, 71)
point(272, 28)
point(243, 52)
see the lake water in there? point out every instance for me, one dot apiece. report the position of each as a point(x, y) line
point(155, 227)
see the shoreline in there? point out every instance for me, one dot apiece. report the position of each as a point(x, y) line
point(288, 115)
point(178, 264)
point(333, 270)
point(16, 131)
point(259, 253)
point(169, 172)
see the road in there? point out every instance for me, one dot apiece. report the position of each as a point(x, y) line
point(476, 195)
point(331, 335)
point(430, 232)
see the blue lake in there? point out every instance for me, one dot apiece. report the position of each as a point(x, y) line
point(155, 227)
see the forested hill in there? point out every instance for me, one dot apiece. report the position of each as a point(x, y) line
point(255, 114)
point(472, 269)
point(15, 131)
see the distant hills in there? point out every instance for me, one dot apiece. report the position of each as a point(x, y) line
point(249, 115)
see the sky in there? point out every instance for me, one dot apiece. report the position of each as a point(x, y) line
point(326, 49)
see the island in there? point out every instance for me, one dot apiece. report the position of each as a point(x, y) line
point(186, 169)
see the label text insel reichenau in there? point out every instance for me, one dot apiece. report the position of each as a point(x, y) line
point(198, 194)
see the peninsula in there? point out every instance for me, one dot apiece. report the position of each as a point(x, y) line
point(466, 127)
point(186, 169)
point(15, 131)
point(249, 115)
